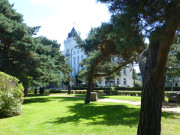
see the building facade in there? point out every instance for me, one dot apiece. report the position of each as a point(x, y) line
point(172, 82)
point(74, 56)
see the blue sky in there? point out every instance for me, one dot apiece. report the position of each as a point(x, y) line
point(57, 17)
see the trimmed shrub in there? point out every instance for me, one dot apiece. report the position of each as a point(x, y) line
point(80, 91)
point(100, 92)
point(174, 88)
point(58, 91)
point(129, 88)
point(102, 88)
point(11, 96)
point(79, 88)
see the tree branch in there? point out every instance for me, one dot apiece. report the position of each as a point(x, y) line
point(165, 46)
point(115, 70)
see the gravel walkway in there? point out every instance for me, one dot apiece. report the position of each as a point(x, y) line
point(167, 107)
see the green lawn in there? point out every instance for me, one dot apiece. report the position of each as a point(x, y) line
point(53, 115)
point(131, 98)
point(119, 97)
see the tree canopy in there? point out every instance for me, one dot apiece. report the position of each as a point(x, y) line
point(160, 22)
point(36, 60)
point(173, 63)
point(111, 47)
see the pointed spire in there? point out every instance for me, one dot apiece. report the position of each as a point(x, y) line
point(72, 33)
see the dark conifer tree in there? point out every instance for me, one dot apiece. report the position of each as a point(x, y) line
point(159, 20)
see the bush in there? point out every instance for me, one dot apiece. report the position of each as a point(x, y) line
point(102, 88)
point(11, 95)
point(129, 88)
point(58, 91)
point(79, 88)
point(174, 88)
point(80, 91)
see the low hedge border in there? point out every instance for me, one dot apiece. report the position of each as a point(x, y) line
point(104, 92)
point(124, 88)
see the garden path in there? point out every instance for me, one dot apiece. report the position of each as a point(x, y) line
point(167, 107)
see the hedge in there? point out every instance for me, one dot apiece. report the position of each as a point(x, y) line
point(95, 88)
point(174, 88)
point(124, 88)
point(11, 96)
point(106, 92)
point(129, 88)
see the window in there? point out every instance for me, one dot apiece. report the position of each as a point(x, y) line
point(74, 69)
point(124, 71)
point(78, 69)
point(125, 81)
point(67, 53)
point(118, 81)
point(78, 60)
point(74, 60)
point(82, 57)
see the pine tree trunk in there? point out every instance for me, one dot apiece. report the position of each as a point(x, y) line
point(89, 90)
point(163, 87)
point(69, 89)
point(89, 87)
point(152, 65)
point(25, 92)
point(151, 98)
point(35, 91)
point(41, 91)
point(151, 103)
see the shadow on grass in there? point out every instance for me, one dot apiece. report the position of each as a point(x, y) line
point(44, 99)
point(101, 115)
point(95, 114)
point(36, 100)
point(111, 115)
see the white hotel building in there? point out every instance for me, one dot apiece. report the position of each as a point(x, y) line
point(74, 56)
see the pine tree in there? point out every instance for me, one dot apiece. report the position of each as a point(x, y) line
point(111, 47)
point(35, 61)
point(159, 21)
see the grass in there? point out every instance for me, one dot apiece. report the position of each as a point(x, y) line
point(55, 115)
point(131, 98)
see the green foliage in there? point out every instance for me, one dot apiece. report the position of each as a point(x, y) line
point(129, 88)
point(51, 67)
point(11, 95)
point(134, 75)
point(138, 83)
point(110, 47)
point(173, 64)
point(34, 61)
